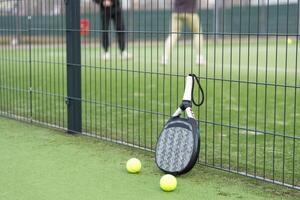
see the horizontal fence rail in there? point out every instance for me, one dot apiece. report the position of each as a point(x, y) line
point(117, 73)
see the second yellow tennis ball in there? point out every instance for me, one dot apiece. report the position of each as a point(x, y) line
point(290, 41)
point(168, 183)
point(133, 165)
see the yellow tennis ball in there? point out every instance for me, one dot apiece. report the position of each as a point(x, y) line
point(133, 165)
point(290, 41)
point(168, 183)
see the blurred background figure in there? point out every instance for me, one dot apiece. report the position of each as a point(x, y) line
point(14, 41)
point(184, 12)
point(111, 10)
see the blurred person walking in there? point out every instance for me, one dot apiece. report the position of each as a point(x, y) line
point(111, 10)
point(185, 12)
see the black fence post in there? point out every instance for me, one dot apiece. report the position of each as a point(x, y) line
point(73, 66)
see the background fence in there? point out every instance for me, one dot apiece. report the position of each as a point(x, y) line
point(249, 123)
point(158, 20)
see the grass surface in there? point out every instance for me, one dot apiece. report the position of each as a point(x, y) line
point(249, 122)
point(38, 163)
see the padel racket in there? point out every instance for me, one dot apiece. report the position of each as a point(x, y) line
point(178, 145)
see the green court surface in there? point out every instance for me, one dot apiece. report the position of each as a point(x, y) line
point(249, 121)
point(38, 163)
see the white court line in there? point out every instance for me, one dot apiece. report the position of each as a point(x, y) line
point(252, 68)
point(260, 68)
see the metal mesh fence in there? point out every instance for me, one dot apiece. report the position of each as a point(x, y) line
point(127, 80)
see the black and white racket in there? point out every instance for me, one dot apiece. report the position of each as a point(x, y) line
point(178, 145)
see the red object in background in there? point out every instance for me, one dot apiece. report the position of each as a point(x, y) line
point(84, 27)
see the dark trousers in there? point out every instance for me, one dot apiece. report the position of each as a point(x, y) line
point(114, 14)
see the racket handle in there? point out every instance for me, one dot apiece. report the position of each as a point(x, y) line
point(188, 89)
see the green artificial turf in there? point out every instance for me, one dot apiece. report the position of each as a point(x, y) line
point(249, 120)
point(38, 163)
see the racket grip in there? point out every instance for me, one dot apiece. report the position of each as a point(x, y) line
point(188, 89)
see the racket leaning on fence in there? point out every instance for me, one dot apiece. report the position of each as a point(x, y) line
point(178, 145)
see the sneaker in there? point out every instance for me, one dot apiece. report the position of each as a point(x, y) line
point(14, 42)
point(125, 55)
point(200, 60)
point(106, 56)
point(164, 60)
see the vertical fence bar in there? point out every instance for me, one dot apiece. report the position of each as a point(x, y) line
point(222, 81)
point(73, 66)
point(29, 17)
point(294, 165)
point(266, 88)
point(298, 19)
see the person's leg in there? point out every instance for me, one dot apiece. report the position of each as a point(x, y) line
point(176, 25)
point(120, 27)
point(193, 22)
point(105, 18)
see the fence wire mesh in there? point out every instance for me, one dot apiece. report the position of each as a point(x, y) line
point(134, 59)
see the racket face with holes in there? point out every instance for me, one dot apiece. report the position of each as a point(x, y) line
point(178, 145)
